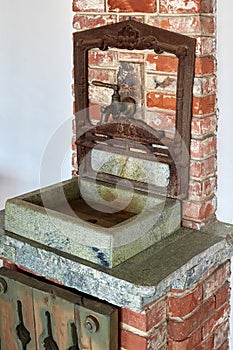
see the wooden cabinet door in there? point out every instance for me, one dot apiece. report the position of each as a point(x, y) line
point(17, 326)
point(35, 315)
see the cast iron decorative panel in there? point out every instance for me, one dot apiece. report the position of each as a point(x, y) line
point(128, 132)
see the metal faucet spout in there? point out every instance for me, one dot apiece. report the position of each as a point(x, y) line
point(127, 106)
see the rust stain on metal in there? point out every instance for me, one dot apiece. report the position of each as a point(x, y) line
point(132, 35)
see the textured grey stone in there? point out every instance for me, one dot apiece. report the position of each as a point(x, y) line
point(177, 261)
point(34, 216)
point(131, 168)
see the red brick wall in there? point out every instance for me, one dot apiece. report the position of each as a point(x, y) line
point(193, 319)
point(195, 18)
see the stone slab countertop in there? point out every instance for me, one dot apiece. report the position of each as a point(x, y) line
point(177, 262)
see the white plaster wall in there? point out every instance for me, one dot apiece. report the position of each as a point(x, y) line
point(35, 91)
point(225, 122)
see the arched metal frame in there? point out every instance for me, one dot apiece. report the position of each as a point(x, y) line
point(132, 35)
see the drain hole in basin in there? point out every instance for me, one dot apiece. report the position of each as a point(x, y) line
point(92, 221)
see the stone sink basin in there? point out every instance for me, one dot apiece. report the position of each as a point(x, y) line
point(99, 222)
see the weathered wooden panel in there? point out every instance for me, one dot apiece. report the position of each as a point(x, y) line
point(35, 315)
point(17, 327)
point(95, 329)
point(54, 317)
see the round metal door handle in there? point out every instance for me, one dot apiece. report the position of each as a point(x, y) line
point(92, 324)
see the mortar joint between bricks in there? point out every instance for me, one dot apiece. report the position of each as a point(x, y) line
point(184, 293)
point(139, 332)
point(187, 316)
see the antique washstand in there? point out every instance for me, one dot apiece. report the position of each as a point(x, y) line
point(146, 211)
point(114, 232)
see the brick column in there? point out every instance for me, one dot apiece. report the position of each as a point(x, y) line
point(194, 18)
point(193, 319)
